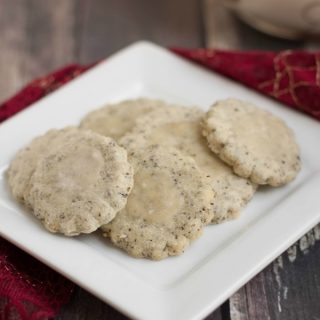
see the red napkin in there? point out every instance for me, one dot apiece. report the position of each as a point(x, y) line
point(31, 291)
point(292, 77)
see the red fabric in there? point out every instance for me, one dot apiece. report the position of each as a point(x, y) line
point(31, 291)
point(292, 77)
point(28, 289)
point(38, 89)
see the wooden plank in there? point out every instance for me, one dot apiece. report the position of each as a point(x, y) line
point(220, 26)
point(111, 25)
point(49, 34)
point(216, 315)
point(35, 37)
point(12, 46)
point(287, 289)
point(85, 306)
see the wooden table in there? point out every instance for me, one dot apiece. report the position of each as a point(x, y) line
point(39, 36)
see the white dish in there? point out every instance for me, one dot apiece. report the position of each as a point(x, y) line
point(216, 265)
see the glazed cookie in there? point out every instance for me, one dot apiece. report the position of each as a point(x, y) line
point(82, 185)
point(258, 145)
point(167, 208)
point(145, 125)
point(116, 119)
point(24, 163)
point(180, 127)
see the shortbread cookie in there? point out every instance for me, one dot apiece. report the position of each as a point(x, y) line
point(169, 205)
point(258, 145)
point(116, 119)
point(180, 127)
point(24, 163)
point(82, 185)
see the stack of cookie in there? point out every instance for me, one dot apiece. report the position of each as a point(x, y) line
point(152, 175)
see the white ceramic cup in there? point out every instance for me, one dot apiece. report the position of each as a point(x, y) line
point(284, 18)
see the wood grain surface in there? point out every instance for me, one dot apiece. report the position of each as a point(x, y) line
point(39, 36)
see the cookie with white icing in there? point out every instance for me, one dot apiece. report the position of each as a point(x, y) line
point(82, 185)
point(168, 207)
point(114, 120)
point(25, 161)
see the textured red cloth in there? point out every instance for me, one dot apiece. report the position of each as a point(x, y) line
point(38, 89)
point(292, 77)
point(31, 291)
point(28, 289)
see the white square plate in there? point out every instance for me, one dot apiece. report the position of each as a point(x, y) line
point(216, 265)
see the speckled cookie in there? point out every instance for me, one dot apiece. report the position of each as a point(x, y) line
point(169, 205)
point(114, 120)
point(180, 127)
point(24, 163)
point(82, 185)
point(144, 125)
point(258, 145)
